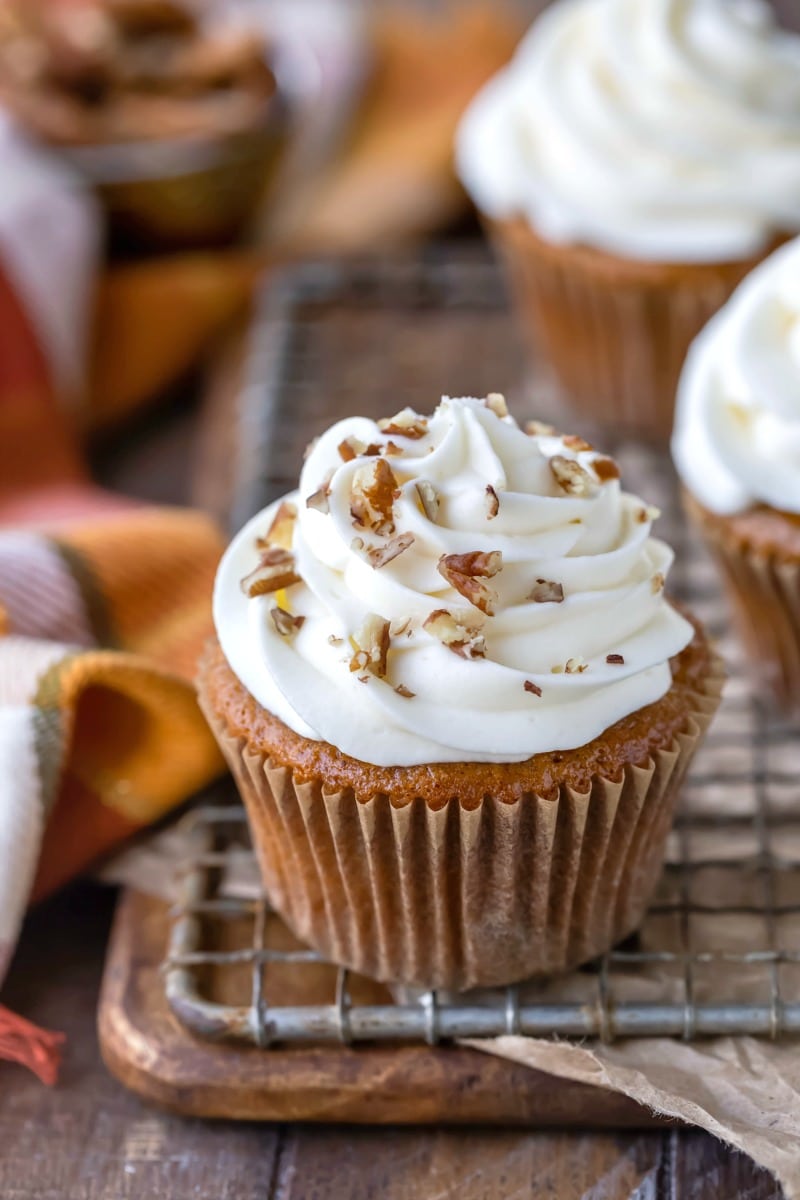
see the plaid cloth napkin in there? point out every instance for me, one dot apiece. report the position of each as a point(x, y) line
point(104, 604)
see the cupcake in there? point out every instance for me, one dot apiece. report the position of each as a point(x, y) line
point(634, 161)
point(174, 116)
point(737, 449)
point(456, 701)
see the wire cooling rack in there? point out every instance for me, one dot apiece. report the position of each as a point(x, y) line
point(719, 951)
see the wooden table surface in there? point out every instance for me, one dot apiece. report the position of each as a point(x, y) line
point(88, 1139)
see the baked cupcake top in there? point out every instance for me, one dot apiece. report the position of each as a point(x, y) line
point(664, 130)
point(737, 426)
point(450, 589)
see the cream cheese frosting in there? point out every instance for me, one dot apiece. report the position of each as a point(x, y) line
point(737, 426)
point(664, 130)
point(549, 622)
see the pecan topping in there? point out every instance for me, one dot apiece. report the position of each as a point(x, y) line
point(532, 687)
point(576, 443)
point(492, 502)
point(372, 497)
point(465, 640)
point(379, 556)
point(539, 429)
point(319, 499)
point(428, 498)
point(404, 424)
point(281, 530)
point(334, 640)
point(398, 627)
point(496, 402)
point(570, 476)
point(276, 570)
point(547, 592)
point(352, 448)
point(372, 646)
point(284, 622)
point(402, 690)
point(605, 469)
point(391, 450)
point(576, 666)
point(616, 660)
point(467, 573)
point(657, 583)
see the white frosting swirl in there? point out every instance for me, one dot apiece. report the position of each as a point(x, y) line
point(597, 546)
point(665, 130)
point(737, 425)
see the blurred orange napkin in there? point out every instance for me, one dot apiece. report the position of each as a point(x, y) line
point(104, 604)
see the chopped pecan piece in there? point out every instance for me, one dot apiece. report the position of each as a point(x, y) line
point(467, 573)
point(570, 476)
point(576, 666)
point(532, 687)
point(334, 640)
point(281, 530)
point(576, 443)
point(428, 498)
point(657, 583)
point(379, 556)
point(275, 570)
point(465, 640)
point(616, 660)
point(492, 502)
point(318, 500)
point(496, 403)
point(402, 690)
point(372, 646)
point(284, 622)
point(539, 429)
point(398, 627)
point(546, 591)
point(648, 513)
point(404, 424)
point(353, 447)
point(372, 497)
point(605, 469)
point(391, 449)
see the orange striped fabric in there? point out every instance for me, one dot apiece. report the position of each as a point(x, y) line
point(104, 607)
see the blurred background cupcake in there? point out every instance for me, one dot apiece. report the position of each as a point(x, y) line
point(173, 114)
point(635, 160)
point(737, 448)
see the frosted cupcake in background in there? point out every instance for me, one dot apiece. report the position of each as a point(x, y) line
point(737, 449)
point(634, 161)
point(455, 699)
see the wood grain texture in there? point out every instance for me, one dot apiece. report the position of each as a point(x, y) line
point(145, 1048)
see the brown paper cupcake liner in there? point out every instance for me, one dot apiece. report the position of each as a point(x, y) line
point(763, 590)
point(453, 897)
point(615, 332)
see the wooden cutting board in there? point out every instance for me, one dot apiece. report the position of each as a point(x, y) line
point(148, 1051)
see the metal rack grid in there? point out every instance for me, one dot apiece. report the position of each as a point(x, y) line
point(719, 952)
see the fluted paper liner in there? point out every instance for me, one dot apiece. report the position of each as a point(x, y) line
point(456, 897)
point(615, 332)
point(764, 593)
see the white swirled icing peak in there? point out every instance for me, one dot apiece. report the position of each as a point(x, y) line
point(572, 577)
point(664, 130)
point(737, 426)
